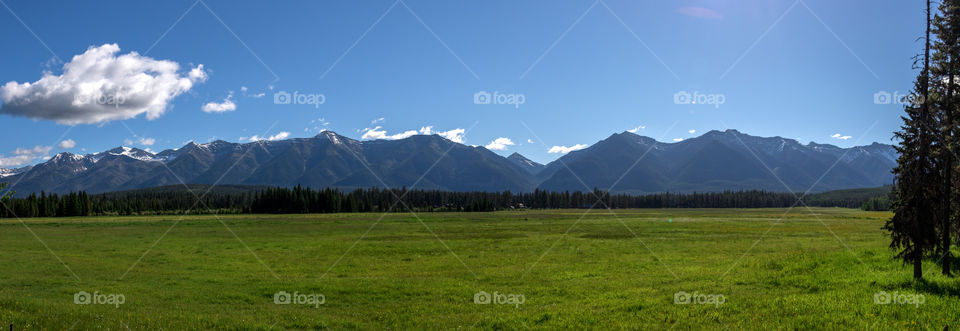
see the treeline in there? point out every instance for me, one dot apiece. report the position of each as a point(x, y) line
point(306, 200)
point(73, 204)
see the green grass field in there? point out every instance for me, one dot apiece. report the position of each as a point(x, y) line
point(198, 273)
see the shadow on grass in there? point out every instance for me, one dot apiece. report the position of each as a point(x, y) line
point(942, 287)
point(954, 264)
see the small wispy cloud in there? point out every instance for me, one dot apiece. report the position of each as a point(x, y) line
point(840, 137)
point(24, 156)
point(143, 141)
point(637, 129)
point(244, 91)
point(279, 136)
point(565, 149)
point(377, 132)
point(319, 125)
point(700, 12)
point(677, 139)
point(692, 131)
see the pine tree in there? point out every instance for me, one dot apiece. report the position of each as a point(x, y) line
point(946, 28)
point(913, 226)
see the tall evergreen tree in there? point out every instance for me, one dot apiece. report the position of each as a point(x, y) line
point(946, 28)
point(913, 226)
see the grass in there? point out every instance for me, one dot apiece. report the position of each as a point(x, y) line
point(807, 272)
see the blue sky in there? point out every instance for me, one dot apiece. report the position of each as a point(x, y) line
point(807, 70)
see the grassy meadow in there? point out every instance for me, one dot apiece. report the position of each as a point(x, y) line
point(743, 269)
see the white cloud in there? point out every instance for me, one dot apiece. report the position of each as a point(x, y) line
point(244, 89)
point(24, 156)
point(100, 86)
point(319, 125)
point(841, 137)
point(455, 135)
point(67, 144)
point(677, 139)
point(196, 74)
point(279, 136)
point(700, 12)
point(565, 149)
point(15, 161)
point(34, 150)
point(144, 141)
point(529, 141)
point(379, 120)
point(499, 144)
point(639, 128)
point(220, 107)
point(692, 131)
point(377, 133)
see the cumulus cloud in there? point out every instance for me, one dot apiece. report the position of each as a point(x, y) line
point(839, 136)
point(639, 128)
point(24, 156)
point(101, 86)
point(692, 131)
point(220, 107)
point(700, 12)
point(499, 144)
point(455, 135)
point(279, 136)
point(67, 144)
point(565, 149)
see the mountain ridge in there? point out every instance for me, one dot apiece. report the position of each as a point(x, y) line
point(714, 161)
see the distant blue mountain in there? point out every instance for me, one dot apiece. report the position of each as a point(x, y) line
point(718, 160)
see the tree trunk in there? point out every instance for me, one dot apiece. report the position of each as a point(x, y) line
point(917, 265)
point(948, 173)
point(918, 249)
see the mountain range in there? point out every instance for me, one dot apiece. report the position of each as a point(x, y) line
point(715, 161)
